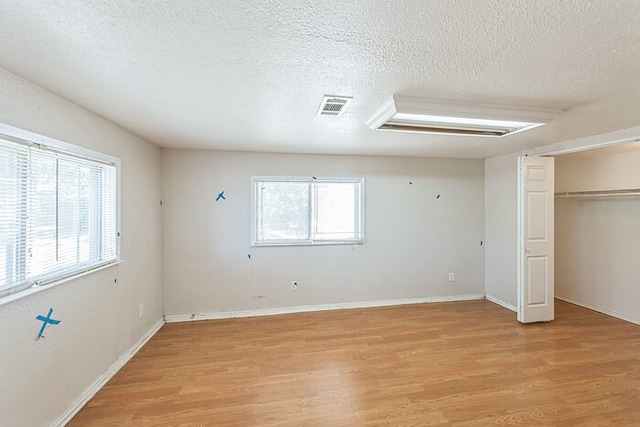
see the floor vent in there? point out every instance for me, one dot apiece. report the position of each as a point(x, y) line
point(333, 105)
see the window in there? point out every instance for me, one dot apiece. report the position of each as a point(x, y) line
point(307, 211)
point(58, 213)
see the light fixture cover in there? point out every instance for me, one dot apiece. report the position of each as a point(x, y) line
point(409, 114)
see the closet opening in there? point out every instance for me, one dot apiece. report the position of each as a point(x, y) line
point(597, 229)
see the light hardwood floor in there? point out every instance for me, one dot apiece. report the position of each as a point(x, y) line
point(460, 364)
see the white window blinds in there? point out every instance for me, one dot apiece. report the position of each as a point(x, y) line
point(58, 215)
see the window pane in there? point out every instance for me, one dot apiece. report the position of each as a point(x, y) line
point(283, 211)
point(12, 167)
point(336, 217)
point(74, 199)
point(307, 211)
point(41, 223)
point(58, 215)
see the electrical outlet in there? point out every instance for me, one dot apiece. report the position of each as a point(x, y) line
point(140, 310)
point(452, 277)
point(294, 285)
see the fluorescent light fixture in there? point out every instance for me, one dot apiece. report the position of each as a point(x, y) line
point(408, 114)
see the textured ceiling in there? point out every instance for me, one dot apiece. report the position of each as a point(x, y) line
point(250, 75)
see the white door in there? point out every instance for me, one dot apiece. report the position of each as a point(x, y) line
point(535, 239)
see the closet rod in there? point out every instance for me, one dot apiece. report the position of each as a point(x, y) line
point(600, 193)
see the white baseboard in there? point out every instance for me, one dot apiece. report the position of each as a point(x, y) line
point(502, 303)
point(104, 378)
point(602, 310)
point(322, 307)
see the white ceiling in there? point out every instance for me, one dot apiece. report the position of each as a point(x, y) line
point(606, 151)
point(250, 75)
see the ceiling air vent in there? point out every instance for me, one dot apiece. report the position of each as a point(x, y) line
point(407, 114)
point(333, 105)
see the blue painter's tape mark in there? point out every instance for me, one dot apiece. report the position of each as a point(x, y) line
point(46, 321)
point(438, 196)
point(221, 196)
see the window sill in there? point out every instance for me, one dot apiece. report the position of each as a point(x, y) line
point(262, 245)
point(34, 289)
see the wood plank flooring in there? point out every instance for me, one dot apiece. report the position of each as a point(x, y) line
point(458, 364)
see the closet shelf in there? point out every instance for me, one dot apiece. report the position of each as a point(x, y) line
point(600, 193)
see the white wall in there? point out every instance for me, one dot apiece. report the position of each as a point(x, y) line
point(598, 240)
point(40, 379)
point(413, 239)
point(500, 211)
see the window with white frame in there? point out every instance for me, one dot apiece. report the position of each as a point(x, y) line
point(58, 213)
point(307, 211)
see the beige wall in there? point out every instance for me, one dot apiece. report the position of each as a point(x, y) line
point(40, 379)
point(413, 239)
point(598, 239)
point(500, 211)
